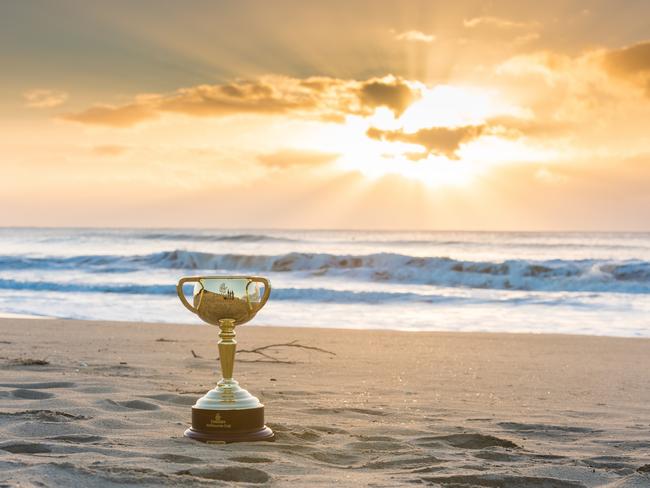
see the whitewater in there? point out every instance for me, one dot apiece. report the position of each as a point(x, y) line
point(572, 283)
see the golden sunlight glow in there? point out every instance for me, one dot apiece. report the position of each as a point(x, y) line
point(449, 106)
point(441, 106)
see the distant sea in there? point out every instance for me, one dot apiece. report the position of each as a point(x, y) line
point(569, 283)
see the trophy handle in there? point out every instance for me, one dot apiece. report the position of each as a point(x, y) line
point(267, 288)
point(181, 295)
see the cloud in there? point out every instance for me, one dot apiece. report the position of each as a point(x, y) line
point(389, 92)
point(630, 60)
point(631, 63)
point(322, 98)
point(43, 98)
point(594, 85)
point(444, 141)
point(249, 97)
point(114, 116)
point(593, 102)
point(109, 150)
point(414, 36)
point(287, 158)
point(496, 22)
point(550, 66)
point(492, 31)
point(515, 127)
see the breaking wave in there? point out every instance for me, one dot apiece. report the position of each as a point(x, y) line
point(296, 294)
point(630, 276)
point(166, 236)
point(315, 295)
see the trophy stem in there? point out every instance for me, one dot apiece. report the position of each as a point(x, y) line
point(227, 347)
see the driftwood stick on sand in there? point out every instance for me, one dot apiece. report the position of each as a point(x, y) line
point(271, 359)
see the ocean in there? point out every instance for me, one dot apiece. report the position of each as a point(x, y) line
point(568, 283)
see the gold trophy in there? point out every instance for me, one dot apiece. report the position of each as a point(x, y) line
point(227, 413)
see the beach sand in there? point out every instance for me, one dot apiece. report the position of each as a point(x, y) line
point(389, 408)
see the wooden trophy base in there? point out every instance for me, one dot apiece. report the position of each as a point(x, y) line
point(225, 426)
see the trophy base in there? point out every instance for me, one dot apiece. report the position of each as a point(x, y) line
point(225, 426)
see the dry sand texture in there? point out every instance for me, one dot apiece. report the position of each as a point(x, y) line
point(389, 409)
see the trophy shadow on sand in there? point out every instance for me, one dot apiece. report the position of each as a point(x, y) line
point(227, 413)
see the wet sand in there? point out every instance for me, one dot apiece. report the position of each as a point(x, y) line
point(106, 403)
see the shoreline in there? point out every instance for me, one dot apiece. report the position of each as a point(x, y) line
point(16, 316)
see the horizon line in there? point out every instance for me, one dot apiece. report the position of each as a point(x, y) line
point(315, 229)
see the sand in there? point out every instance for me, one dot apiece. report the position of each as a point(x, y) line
point(453, 410)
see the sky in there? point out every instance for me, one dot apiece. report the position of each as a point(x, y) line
point(464, 115)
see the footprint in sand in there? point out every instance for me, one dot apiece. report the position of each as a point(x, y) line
point(40, 386)
point(547, 457)
point(25, 448)
point(607, 462)
point(545, 429)
point(132, 404)
point(77, 438)
point(179, 459)
point(31, 394)
point(174, 398)
point(250, 459)
point(233, 473)
point(500, 480)
point(307, 435)
point(466, 441)
point(139, 405)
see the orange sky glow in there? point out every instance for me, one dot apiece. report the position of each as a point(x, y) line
point(468, 115)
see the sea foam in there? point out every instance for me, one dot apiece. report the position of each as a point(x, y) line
point(631, 276)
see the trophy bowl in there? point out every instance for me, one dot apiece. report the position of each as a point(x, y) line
point(227, 413)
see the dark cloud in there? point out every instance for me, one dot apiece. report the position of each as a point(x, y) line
point(221, 100)
point(291, 157)
point(444, 141)
point(630, 60)
point(631, 63)
point(328, 99)
point(394, 94)
point(202, 101)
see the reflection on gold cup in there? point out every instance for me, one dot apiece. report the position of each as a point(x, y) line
point(227, 413)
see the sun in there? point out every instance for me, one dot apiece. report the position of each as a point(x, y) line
point(443, 106)
point(376, 159)
point(453, 106)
